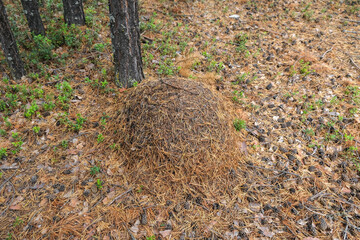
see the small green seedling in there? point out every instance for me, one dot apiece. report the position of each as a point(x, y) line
point(99, 184)
point(239, 124)
point(94, 170)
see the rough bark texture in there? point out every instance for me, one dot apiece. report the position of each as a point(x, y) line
point(31, 10)
point(9, 46)
point(125, 36)
point(74, 12)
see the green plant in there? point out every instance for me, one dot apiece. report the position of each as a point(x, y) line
point(237, 96)
point(5, 80)
point(99, 184)
point(305, 68)
point(65, 94)
point(48, 106)
point(31, 110)
point(348, 137)
point(99, 47)
point(100, 138)
point(18, 221)
point(309, 132)
point(43, 48)
point(17, 145)
point(140, 189)
point(240, 78)
point(3, 152)
point(94, 170)
point(167, 68)
point(240, 41)
point(2, 133)
point(114, 146)
point(72, 35)
point(151, 237)
point(71, 125)
point(65, 144)
point(7, 122)
point(239, 124)
point(9, 236)
point(36, 129)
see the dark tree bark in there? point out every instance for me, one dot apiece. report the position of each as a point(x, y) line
point(31, 10)
point(74, 12)
point(125, 36)
point(9, 46)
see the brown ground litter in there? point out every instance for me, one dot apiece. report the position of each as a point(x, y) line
point(176, 128)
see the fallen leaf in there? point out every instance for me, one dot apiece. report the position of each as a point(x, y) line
point(345, 190)
point(109, 197)
point(266, 232)
point(243, 147)
point(50, 137)
point(310, 238)
point(165, 233)
point(122, 90)
point(74, 202)
point(135, 228)
point(72, 151)
point(17, 200)
point(15, 207)
point(43, 202)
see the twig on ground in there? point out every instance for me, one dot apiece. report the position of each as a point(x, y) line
point(178, 87)
point(322, 56)
point(346, 228)
point(3, 184)
point(102, 198)
point(95, 221)
point(12, 199)
point(274, 170)
point(34, 215)
point(131, 236)
point(352, 61)
point(349, 20)
point(119, 196)
point(346, 31)
point(319, 194)
point(352, 36)
point(8, 167)
point(321, 214)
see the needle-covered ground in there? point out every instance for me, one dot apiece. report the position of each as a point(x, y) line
point(285, 76)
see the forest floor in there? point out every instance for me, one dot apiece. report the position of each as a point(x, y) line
point(289, 70)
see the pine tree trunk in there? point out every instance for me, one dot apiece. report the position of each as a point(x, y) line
point(125, 36)
point(74, 12)
point(9, 46)
point(31, 10)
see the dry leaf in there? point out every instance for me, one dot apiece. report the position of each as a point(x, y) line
point(72, 151)
point(165, 233)
point(50, 137)
point(17, 200)
point(43, 202)
point(243, 147)
point(74, 202)
point(310, 238)
point(15, 207)
point(266, 232)
point(109, 197)
point(345, 190)
point(135, 228)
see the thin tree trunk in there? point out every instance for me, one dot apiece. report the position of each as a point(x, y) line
point(125, 36)
point(31, 10)
point(74, 12)
point(9, 46)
